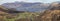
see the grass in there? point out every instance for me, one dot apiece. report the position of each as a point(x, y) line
point(23, 15)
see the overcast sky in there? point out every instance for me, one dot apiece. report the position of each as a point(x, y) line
point(44, 1)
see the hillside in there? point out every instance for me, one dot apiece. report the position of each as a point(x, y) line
point(5, 16)
point(52, 14)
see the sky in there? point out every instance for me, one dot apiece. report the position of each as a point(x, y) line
point(44, 1)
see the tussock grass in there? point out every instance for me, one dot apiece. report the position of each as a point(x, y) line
point(28, 15)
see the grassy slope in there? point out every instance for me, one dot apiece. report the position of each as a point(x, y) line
point(23, 15)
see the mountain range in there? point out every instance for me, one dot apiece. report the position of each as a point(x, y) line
point(25, 6)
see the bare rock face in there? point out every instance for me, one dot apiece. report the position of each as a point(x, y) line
point(52, 14)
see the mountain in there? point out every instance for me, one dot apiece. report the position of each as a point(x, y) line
point(25, 6)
